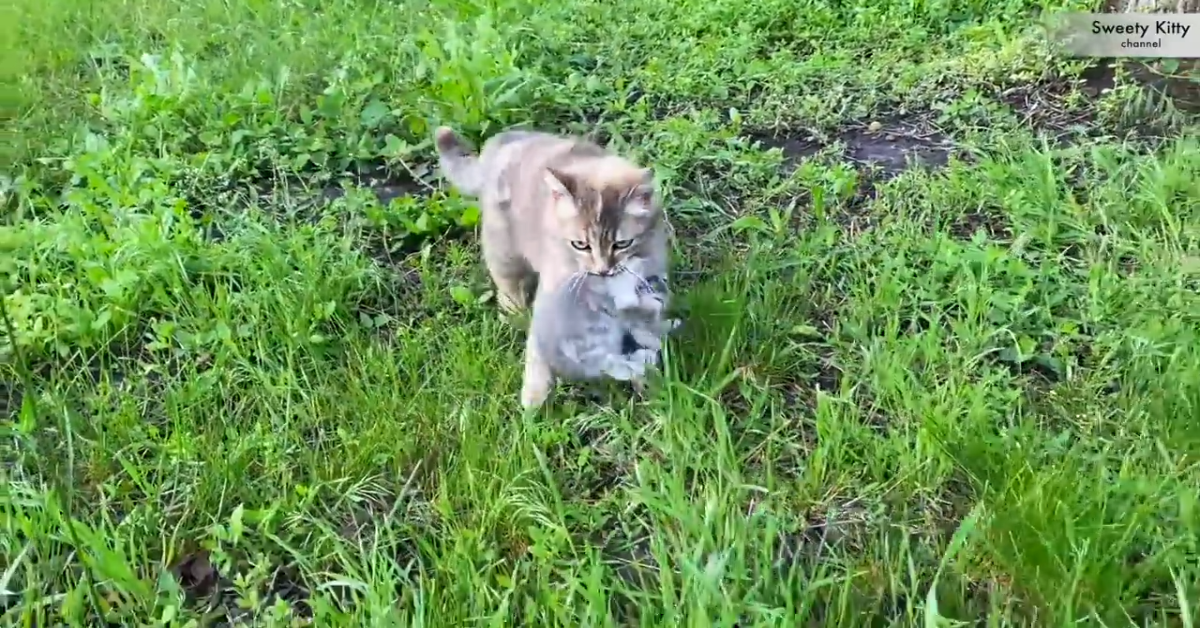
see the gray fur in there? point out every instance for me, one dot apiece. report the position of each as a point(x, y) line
point(579, 328)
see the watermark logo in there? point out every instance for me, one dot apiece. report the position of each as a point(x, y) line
point(1157, 35)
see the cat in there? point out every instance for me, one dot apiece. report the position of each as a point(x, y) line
point(551, 207)
point(603, 326)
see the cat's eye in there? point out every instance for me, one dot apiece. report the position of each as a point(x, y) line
point(580, 245)
point(622, 244)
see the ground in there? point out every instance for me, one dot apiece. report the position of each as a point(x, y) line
point(940, 358)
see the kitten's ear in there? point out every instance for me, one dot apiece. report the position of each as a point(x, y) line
point(560, 184)
point(641, 197)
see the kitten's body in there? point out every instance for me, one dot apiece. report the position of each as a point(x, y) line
point(597, 327)
point(552, 207)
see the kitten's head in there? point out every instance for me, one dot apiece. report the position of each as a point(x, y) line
point(604, 213)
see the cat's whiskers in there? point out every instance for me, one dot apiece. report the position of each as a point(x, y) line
point(575, 281)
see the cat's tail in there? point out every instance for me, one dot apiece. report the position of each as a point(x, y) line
point(458, 161)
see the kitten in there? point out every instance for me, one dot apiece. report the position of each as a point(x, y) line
point(550, 208)
point(584, 334)
point(640, 303)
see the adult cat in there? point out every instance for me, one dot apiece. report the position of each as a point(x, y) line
point(552, 207)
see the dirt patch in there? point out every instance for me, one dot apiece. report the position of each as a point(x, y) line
point(992, 223)
point(1044, 106)
point(896, 147)
point(196, 574)
point(1098, 78)
point(880, 150)
point(305, 197)
point(1051, 107)
point(215, 594)
point(888, 146)
point(384, 183)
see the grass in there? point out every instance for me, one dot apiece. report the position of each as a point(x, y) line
point(252, 372)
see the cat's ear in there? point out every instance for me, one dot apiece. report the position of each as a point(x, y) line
point(641, 198)
point(560, 183)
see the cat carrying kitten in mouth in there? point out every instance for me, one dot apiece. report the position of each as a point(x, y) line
point(559, 211)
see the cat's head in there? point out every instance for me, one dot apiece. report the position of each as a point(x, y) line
point(605, 211)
